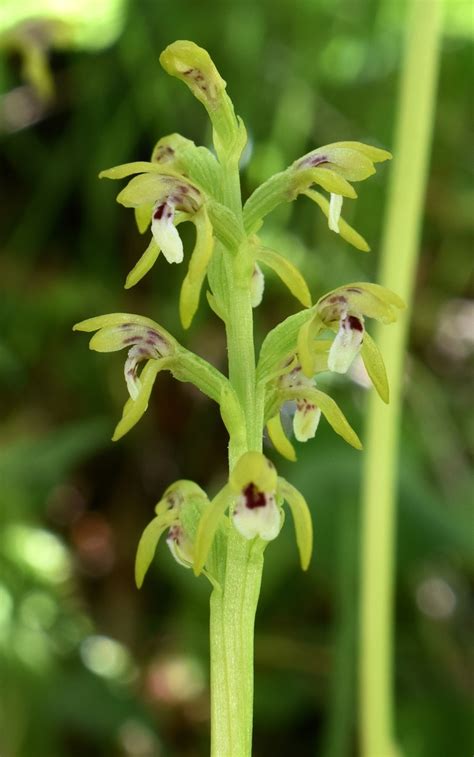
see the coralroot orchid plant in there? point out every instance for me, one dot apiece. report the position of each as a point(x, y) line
point(224, 538)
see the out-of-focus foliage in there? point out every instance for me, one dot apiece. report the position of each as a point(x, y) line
point(87, 664)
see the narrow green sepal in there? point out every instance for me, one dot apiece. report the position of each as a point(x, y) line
point(128, 169)
point(306, 354)
point(147, 188)
point(134, 409)
point(208, 526)
point(382, 293)
point(287, 272)
point(328, 179)
point(144, 264)
point(301, 518)
point(345, 230)
point(375, 154)
point(143, 217)
point(375, 367)
point(148, 543)
point(279, 343)
point(279, 439)
point(116, 319)
point(193, 281)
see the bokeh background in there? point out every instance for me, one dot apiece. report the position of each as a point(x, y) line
point(89, 665)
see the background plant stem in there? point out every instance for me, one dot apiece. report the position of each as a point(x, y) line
point(397, 271)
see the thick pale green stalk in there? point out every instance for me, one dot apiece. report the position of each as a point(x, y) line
point(233, 607)
point(398, 266)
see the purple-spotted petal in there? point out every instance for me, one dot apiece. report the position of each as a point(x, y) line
point(346, 344)
point(165, 233)
point(306, 420)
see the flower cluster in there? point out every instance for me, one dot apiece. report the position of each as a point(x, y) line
point(185, 183)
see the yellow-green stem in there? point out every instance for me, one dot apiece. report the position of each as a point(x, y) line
point(397, 271)
point(234, 605)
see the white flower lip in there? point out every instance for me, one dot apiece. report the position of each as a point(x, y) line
point(257, 514)
point(165, 233)
point(346, 344)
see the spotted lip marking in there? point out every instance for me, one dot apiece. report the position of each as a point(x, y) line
point(355, 323)
point(253, 497)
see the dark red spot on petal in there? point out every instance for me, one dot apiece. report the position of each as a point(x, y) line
point(254, 497)
point(158, 214)
point(354, 323)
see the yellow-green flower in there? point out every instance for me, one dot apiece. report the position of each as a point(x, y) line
point(164, 198)
point(297, 392)
point(334, 166)
point(343, 311)
point(254, 495)
point(159, 196)
point(307, 414)
point(255, 511)
point(146, 341)
point(177, 512)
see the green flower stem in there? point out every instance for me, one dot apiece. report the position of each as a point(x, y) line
point(234, 604)
point(231, 191)
point(241, 352)
point(231, 642)
point(398, 267)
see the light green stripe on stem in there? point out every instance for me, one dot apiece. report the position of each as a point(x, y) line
point(397, 270)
